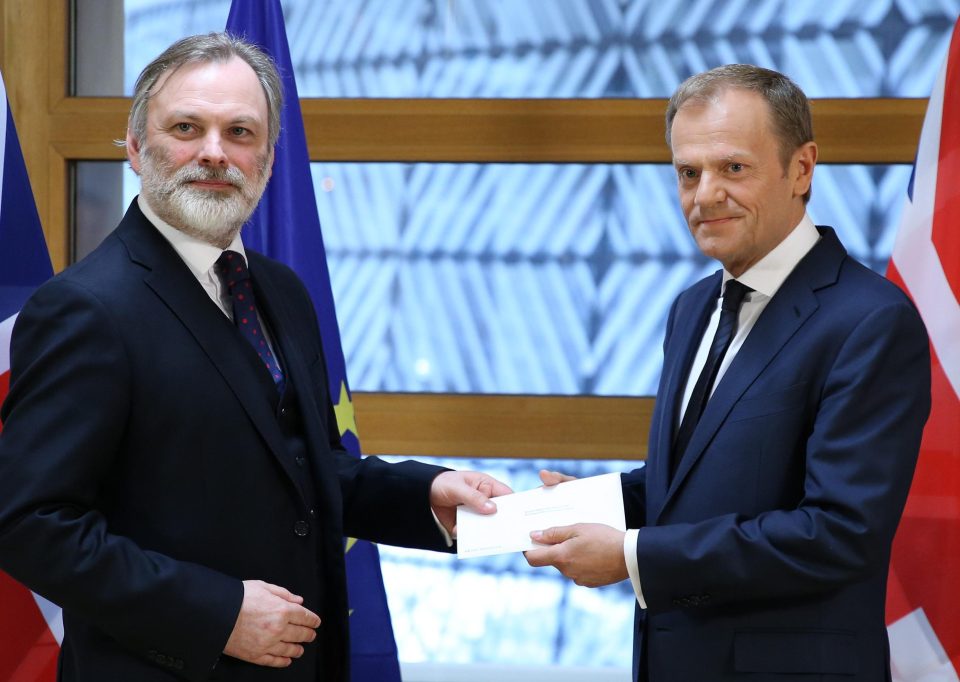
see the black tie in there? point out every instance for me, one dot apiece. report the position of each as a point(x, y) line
point(234, 274)
point(729, 313)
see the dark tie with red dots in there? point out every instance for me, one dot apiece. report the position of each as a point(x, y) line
point(233, 272)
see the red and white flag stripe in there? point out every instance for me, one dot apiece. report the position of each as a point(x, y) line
point(31, 628)
point(922, 614)
point(6, 328)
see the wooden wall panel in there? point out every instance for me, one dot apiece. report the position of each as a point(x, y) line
point(556, 427)
point(532, 131)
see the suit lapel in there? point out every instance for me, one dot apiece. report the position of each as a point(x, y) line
point(789, 309)
point(173, 283)
point(274, 305)
point(689, 321)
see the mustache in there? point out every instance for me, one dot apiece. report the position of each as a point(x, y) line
point(177, 179)
point(189, 174)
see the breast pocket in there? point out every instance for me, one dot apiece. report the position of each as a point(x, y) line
point(791, 398)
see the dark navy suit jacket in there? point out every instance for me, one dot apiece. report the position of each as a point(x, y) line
point(765, 557)
point(144, 470)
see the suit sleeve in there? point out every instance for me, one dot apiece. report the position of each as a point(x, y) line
point(63, 426)
point(386, 502)
point(860, 454)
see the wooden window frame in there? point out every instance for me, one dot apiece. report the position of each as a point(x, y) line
point(56, 130)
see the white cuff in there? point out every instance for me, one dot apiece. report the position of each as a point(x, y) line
point(633, 568)
point(443, 531)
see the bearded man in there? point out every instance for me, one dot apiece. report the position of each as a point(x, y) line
point(171, 472)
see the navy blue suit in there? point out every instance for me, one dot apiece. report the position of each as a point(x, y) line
point(148, 465)
point(765, 557)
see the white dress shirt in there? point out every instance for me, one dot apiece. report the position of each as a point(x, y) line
point(765, 277)
point(199, 256)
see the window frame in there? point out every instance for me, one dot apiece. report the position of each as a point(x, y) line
point(56, 130)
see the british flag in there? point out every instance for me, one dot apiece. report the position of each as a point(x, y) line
point(30, 627)
point(922, 615)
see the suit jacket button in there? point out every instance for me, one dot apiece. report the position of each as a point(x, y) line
point(301, 528)
point(301, 460)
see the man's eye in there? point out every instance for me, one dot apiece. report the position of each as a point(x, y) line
point(238, 131)
point(184, 127)
point(736, 167)
point(688, 174)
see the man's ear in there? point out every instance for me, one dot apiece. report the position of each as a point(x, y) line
point(133, 151)
point(804, 159)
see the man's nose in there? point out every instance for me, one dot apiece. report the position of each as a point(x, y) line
point(211, 152)
point(710, 189)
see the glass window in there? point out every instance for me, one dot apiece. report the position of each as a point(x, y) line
point(535, 278)
point(561, 48)
point(518, 278)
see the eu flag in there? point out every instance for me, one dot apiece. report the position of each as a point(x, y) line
point(286, 227)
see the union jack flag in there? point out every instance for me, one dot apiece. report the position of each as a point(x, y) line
point(922, 615)
point(31, 628)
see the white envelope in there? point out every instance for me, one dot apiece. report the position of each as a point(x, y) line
point(598, 499)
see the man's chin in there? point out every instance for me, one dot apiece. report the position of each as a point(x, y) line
point(219, 231)
point(711, 245)
point(220, 238)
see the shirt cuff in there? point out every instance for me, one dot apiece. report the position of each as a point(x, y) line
point(443, 531)
point(633, 567)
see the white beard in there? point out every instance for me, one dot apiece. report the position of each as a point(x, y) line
point(213, 217)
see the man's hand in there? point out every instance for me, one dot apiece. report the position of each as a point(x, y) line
point(551, 478)
point(271, 626)
point(590, 554)
point(471, 488)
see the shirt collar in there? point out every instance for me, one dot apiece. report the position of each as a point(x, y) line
point(769, 273)
point(199, 255)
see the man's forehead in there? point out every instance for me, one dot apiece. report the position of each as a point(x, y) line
point(731, 106)
point(718, 94)
point(722, 121)
point(181, 72)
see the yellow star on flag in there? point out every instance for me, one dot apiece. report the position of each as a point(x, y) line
point(346, 419)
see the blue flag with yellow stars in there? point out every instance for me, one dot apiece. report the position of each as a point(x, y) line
point(286, 227)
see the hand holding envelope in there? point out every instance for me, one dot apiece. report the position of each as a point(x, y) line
point(594, 500)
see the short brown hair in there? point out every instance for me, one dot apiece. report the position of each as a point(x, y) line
point(206, 48)
point(789, 108)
